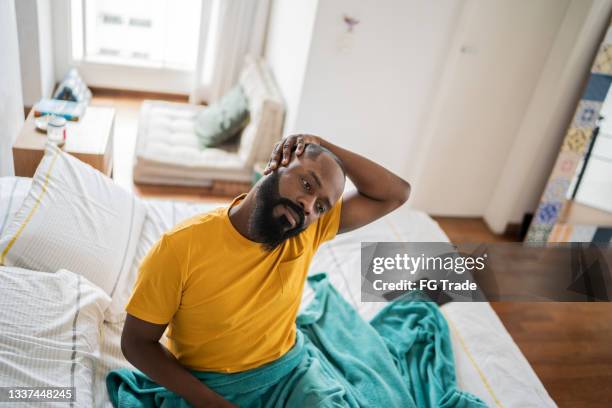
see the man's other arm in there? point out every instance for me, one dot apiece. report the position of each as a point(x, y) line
point(378, 190)
point(141, 347)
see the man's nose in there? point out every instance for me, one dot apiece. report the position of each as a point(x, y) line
point(307, 203)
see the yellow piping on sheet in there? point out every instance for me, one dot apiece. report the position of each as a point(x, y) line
point(483, 378)
point(472, 360)
point(32, 211)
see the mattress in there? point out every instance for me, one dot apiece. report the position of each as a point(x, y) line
point(488, 362)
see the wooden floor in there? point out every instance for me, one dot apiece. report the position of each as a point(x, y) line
point(569, 345)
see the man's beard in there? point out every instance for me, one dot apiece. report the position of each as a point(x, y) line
point(263, 225)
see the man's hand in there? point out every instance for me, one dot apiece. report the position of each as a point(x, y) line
point(281, 154)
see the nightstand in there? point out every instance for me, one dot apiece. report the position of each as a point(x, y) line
point(90, 140)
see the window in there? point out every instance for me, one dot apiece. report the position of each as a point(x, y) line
point(148, 33)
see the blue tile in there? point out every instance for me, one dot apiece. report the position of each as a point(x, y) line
point(603, 235)
point(548, 212)
point(597, 87)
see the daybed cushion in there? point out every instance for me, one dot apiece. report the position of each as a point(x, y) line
point(50, 337)
point(76, 218)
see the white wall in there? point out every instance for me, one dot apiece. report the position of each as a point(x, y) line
point(27, 26)
point(440, 91)
point(45, 39)
point(493, 67)
point(62, 43)
point(287, 46)
point(36, 53)
point(368, 89)
point(11, 103)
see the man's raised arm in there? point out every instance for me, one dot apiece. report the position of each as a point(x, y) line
point(378, 190)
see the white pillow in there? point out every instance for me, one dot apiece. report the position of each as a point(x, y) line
point(51, 324)
point(12, 192)
point(75, 218)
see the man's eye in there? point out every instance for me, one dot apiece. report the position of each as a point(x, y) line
point(306, 185)
point(321, 209)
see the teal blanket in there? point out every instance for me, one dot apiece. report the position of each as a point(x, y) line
point(402, 358)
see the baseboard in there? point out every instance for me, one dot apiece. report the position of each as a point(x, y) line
point(139, 94)
point(219, 189)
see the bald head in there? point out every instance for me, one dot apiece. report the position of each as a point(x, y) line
point(313, 151)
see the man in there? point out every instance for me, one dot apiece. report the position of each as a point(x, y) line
point(229, 283)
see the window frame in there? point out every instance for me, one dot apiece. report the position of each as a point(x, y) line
point(119, 76)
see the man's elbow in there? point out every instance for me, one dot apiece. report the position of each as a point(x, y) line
point(127, 347)
point(404, 192)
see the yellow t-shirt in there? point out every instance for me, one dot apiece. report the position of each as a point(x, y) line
point(229, 304)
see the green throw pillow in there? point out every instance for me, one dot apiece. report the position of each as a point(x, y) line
point(224, 119)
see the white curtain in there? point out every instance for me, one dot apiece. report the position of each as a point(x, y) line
point(230, 30)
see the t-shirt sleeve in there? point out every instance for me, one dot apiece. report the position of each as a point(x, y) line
point(328, 225)
point(157, 292)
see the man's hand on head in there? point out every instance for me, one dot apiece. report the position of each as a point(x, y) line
point(281, 153)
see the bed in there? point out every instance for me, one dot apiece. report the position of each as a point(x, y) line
point(488, 362)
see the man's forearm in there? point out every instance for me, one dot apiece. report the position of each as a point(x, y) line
point(153, 359)
point(371, 179)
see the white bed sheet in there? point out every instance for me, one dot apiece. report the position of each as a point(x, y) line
point(488, 362)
